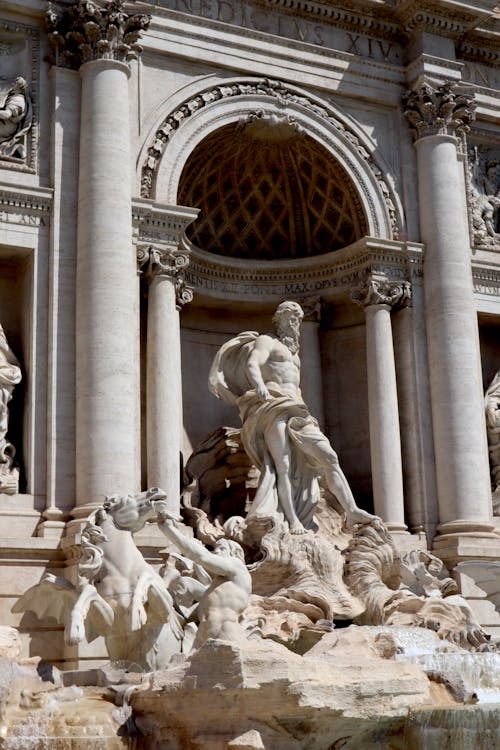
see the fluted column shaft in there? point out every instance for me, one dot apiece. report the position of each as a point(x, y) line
point(107, 305)
point(385, 440)
point(378, 297)
point(166, 293)
point(99, 40)
point(311, 381)
point(464, 493)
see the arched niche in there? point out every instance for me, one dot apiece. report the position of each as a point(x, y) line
point(205, 132)
point(207, 109)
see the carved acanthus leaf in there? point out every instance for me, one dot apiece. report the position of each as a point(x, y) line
point(312, 308)
point(441, 110)
point(382, 292)
point(91, 31)
point(154, 261)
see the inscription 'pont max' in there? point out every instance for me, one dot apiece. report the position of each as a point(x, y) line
point(290, 27)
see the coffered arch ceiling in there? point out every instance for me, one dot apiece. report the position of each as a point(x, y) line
point(267, 191)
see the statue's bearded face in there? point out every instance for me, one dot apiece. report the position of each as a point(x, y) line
point(288, 328)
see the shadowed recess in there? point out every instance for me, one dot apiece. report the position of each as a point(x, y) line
point(268, 191)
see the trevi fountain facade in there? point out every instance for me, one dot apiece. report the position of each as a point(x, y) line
point(250, 375)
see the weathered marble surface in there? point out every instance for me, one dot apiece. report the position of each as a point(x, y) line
point(261, 375)
point(492, 404)
point(16, 115)
point(224, 692)
point(10, 376)
point(118, 594)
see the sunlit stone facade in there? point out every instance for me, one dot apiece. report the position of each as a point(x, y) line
point(170, 172)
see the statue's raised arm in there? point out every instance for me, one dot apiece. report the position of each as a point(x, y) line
point(222, 604)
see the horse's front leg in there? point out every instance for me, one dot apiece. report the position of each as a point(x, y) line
point(87, 596)
point(138, 614)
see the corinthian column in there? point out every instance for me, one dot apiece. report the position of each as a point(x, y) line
point(167, 292)
point(311, 382)
point(378, 297)
point(99, 41)
point(438, 118)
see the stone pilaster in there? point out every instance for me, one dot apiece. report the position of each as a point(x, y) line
point(99, 41)
point(379, 297)
point(438, 117)
point(311, 382)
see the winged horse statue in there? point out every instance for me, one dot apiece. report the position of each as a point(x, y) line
point(118, 594)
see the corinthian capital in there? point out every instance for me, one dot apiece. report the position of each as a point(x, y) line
point(441, 110)
point(183, 293)
point(311, 307)
point(382, 292)
point(93, 30)
point(153, 261)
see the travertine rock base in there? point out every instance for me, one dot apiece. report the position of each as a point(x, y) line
point(263, 696)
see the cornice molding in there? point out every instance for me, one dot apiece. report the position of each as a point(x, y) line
point(335, 273)
point(486, 279)
point(159, 224)
point(393, 20)
point(25, 206)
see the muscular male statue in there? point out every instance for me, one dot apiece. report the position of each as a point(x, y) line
point(227, 596)
point(261, 375)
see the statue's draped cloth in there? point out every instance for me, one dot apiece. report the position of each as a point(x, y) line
point(229, 381)
point(10, 376)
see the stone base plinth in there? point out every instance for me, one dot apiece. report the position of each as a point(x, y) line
point(453, 546)
point(264, 697)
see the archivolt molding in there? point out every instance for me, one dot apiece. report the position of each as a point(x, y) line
point(211, 108)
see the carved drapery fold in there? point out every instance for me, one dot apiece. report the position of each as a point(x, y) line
point(16, 119)
point(395, 294)
point(492, 407)
point(92, 31)
point(442, 110)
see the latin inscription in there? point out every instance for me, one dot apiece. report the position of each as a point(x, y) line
point(491, 290)
point(480, 75)
point(30, 220)
point(299, 29)
point(266, 289)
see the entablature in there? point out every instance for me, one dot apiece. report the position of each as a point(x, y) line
point(332, 275)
